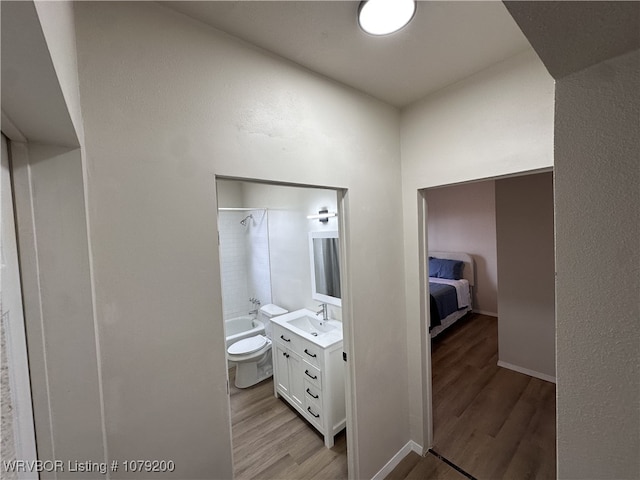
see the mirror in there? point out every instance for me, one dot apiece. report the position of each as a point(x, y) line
point(324, 252)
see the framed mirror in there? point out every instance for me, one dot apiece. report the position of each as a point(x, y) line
point(324, 253)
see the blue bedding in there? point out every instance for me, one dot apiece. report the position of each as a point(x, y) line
point(444, 301)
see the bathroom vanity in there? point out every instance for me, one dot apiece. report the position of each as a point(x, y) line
point(309, 369)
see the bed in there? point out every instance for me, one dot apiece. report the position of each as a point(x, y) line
point(451, 282)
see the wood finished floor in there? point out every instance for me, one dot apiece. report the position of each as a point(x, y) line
point(492, 422)
point(271, 441)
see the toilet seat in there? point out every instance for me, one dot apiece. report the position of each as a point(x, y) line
point(247, 345)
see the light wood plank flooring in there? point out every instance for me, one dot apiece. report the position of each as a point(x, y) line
point(271, 441)
point(491, 422)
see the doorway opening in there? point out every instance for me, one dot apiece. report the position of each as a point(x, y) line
point(491, 374)
point(17, 424)
point(277, 414)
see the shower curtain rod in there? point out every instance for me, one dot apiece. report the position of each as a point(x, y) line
point(239, 209)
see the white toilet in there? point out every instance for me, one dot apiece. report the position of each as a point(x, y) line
point(252, 355)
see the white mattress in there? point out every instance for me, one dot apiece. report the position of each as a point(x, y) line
point(464, 303)
point(462, 289)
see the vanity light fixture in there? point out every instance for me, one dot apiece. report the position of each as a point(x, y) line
point(323, 215)
point(382, 17)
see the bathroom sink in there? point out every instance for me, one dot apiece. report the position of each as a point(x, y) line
point(312, 325)
point(307, 324)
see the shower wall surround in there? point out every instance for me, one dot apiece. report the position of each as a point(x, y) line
point(244, 260)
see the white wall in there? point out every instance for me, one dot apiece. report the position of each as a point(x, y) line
point(526, 275)
point(289, 238)
point(598, 280)
point(497, 122)
point(462, 218)
point(57, 22)
point(55, 276)
point(168, 104)
point(53, 230)
point(244, 261)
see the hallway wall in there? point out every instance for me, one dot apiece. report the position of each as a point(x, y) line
point(598, 280)
point(168, 105)
point(497, 122)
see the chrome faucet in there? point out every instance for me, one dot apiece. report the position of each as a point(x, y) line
point(256, 306)
point(323, 311)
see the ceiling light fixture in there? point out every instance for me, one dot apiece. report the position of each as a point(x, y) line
point(382, 17)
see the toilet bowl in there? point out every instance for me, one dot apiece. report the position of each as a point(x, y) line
point(253, 360)
point(252, 356)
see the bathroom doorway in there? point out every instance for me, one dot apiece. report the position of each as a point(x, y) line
point(264, 233)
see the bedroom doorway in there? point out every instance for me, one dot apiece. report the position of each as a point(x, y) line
point(492, 372)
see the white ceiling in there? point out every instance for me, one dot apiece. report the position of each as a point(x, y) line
point(445, 42)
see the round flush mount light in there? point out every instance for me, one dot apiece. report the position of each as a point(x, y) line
point(382, 17)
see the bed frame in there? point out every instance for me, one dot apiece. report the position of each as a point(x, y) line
point(469, 274)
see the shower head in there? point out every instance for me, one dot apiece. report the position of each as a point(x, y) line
point(243, 222)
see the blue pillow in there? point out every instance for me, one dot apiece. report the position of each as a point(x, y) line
point(443, 268)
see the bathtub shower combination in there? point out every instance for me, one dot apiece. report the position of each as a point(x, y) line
point(239, 328)
point(244, 258)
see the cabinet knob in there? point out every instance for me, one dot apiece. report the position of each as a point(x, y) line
point(311, 412)
point(313, 355)
point(285, 339)
point(306, 372)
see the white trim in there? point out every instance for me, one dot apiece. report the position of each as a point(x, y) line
point(484, 312)
point(526, 371)
point(411, 446)
point(348, 343)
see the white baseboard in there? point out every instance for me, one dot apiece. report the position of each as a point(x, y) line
point(483, 312)
point(411, 446)
point(526, 371)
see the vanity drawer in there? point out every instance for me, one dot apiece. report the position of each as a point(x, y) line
point(286, 338)
point(311, 375)
point(312, 393)
point(314, 412)
point(310, 352)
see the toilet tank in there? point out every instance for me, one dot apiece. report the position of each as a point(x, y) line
point(267, 312)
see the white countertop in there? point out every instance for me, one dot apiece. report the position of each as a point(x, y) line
point(324, 340)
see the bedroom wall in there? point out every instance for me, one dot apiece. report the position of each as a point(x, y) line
point(526, 275)
point(462, 218)
point(497, 122)
point(168, 104)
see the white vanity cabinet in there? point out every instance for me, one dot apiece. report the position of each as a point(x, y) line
point(311, 378)
point(288, 380)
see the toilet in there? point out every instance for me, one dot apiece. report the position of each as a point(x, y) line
point(252, 355)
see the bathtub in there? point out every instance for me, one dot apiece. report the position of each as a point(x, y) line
point(242, 327)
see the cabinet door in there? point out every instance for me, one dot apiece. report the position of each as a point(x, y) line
point(296, 380)
point(281, 374)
